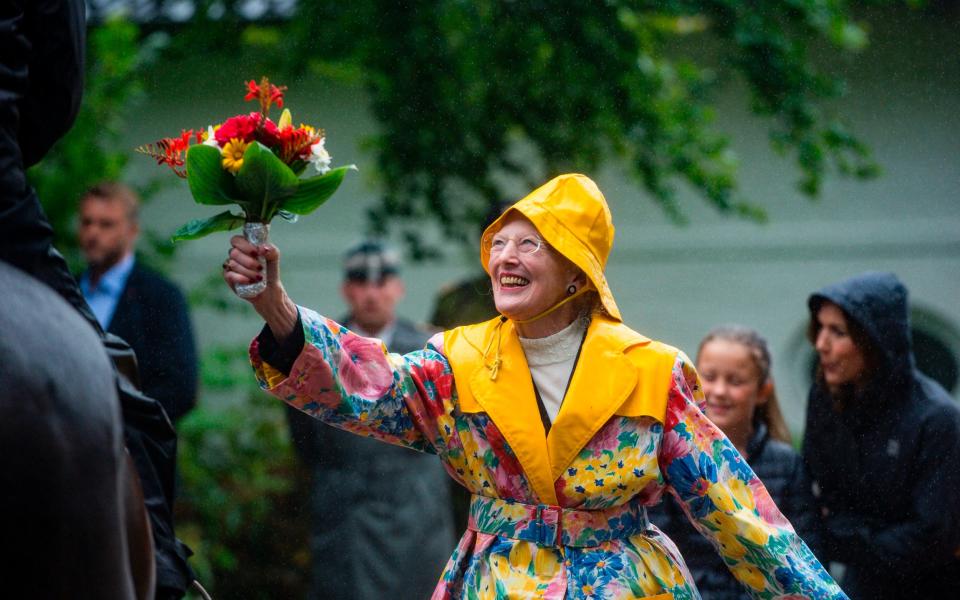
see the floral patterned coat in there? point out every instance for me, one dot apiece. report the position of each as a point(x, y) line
point(630, 428)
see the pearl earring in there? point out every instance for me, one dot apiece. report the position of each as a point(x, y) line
point(571, 290)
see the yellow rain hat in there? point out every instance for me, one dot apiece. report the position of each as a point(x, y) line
point(572, 215)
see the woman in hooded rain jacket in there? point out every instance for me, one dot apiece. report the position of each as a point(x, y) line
point(882, 443)
point(562, 422)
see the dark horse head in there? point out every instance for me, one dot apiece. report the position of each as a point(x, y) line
point(72, 520)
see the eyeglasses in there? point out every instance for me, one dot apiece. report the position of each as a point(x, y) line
point(529, 244)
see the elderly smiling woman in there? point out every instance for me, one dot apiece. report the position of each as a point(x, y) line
point(562, 422)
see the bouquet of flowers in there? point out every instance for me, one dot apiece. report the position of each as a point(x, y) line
point(254, 163)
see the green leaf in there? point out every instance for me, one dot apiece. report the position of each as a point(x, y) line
point(209, 182)
point(199, 228)
point(315, 191)
point(264, 180)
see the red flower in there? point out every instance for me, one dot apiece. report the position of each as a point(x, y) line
point(266, 93)
point(240, 127)
point(295, 143)
point(253, 91)
point(249, 128)
point(363, 368)
point(276, 96)
point(700, 486)
point(267, 134)
point(170, 151)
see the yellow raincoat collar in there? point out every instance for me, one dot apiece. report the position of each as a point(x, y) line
point(619, 372)
point(572, 215)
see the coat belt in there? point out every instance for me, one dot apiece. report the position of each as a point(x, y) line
point(548, 525)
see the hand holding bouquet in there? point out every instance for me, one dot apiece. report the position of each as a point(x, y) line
point(254, 163)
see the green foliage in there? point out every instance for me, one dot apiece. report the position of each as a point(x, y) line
point(263, 187)
point(313, 192)
point(475, 100)
point(264, 181)
point(197, 228)
point(238, 481)
point(587, 82)
point(92, 152)
point(212, 294)
point(210, 183)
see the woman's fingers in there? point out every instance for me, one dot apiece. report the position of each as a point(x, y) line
point(243, 264)
point(243, 252)
point(241, 243)
point(244, 261)
point(234, 279)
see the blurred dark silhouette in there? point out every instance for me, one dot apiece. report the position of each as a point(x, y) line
point(72, 513)
point(41, 86)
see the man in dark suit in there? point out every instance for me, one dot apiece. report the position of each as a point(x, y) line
point(382, 524)
point(134, 302)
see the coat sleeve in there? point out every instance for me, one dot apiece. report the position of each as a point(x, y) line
point(352, 383)
point(728, 504)
point(800, 506)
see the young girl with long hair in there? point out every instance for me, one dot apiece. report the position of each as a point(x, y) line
point(734, 365)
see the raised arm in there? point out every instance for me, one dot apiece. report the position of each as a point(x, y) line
point(351, 382)
point(335, 375)
point(728, 504)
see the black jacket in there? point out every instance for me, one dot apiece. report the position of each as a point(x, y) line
point(152, 317)
point(782, 472)
point(887, 464)
point(41, 86)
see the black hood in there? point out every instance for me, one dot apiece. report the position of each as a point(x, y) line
point(878, 302)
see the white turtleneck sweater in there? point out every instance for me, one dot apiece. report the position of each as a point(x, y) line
point(551, 360)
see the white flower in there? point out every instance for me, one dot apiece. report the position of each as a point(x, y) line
point(211, 138)
point(319, 157)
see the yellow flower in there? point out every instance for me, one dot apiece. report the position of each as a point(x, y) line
point(741, 493)
point(721, 498)
point(520, 555)
point(753, 529)
point(730, 545)
point(749, 575)
point(233, 154)
point(527, 588)
point(501, 569)
point(546, 563)
point(659, 564)
point(488, 592)
point(743, 523)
